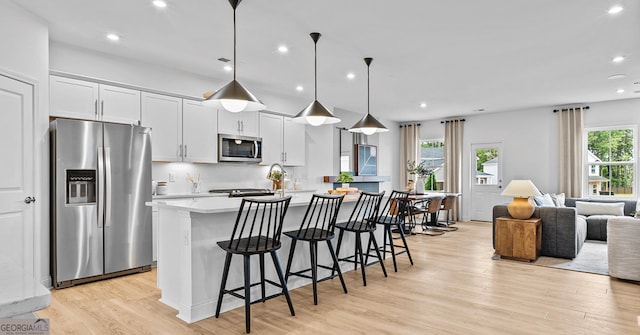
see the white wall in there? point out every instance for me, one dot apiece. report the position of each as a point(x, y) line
point(529, 141)
point(25, 55)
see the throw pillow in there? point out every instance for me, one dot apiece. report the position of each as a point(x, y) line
point(558, 199)
point(601, 208)
point(544, 200)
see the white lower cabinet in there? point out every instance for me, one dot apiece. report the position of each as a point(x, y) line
point(283, 141)
point(154, 233)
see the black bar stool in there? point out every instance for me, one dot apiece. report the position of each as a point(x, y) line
point(317, 225)
point(392, 218)
point(362, 221)
point(256, 232)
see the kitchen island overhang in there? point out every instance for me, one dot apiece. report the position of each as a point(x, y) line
point(190, 263)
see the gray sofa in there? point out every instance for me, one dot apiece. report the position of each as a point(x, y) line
point(563, 230)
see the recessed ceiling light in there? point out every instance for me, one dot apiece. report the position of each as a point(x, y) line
point(299, 88)
point(228, 68)
point(479, 110)
point(618, 59)
point(351, 75)
point(423, 105)
point(617, 76)
point(283, 49)
point(159, 3)
point(620, 91)
point(615, 9)
point(113, 37)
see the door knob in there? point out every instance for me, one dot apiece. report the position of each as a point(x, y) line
point(29, 200)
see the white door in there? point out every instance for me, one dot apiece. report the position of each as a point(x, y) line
point(294, 142)
point(16, 173)
point(199, 132)
point(163, 114)
point(486, 179)
point(271, 134)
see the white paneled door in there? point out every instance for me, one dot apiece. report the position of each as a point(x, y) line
point(16, 173)
point(486, 179)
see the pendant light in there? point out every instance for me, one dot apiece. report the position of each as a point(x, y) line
point(368, 125)
point(315, 114)
point(233, 97)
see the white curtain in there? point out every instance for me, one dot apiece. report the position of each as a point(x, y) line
point(570, 132)
point(453, 131)
point(409, 145)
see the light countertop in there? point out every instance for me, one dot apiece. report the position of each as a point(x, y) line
point(208, 205)
point(208, 194)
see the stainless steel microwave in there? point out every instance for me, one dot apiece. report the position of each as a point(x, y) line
point(236, 148)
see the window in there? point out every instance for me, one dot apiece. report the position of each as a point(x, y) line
point(487, 165)
point(611, 161)
point(432, 157)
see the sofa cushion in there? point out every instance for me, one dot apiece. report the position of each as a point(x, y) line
point(600, 208)
point(544, 200)
point(597, 227)
point(558, 199)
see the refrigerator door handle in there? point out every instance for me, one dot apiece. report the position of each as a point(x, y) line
point(100, 193)
point(108, 196)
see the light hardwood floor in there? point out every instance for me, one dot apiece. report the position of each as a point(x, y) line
point(453, 288)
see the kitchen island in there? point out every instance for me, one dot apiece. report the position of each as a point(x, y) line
point(190, 262)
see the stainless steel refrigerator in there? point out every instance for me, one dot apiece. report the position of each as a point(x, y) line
point(100, 181)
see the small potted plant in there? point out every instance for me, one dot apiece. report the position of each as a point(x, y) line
point(345, 178)
point(276, 177)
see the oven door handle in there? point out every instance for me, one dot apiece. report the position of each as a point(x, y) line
point(255, 149)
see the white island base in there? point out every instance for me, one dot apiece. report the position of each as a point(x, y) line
point(190, 263)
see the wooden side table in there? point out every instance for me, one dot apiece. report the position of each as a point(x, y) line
point(519, 239)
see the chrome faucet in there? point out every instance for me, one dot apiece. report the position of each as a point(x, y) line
point(284, 172)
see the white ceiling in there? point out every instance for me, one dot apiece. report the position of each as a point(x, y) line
point(456, 55)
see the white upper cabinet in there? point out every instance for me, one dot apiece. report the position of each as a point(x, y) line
point(271, 134)
point(294, 142)
point(73, 98)
point(182, 130)
point(283, 141)
point(163, 114)
point(120, 105)
point(199, 132)
point(87, 100)
point(242, 123)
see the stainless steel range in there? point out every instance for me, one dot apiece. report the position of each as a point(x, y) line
point(244, 192)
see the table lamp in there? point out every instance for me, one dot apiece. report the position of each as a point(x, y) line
point(522, 206)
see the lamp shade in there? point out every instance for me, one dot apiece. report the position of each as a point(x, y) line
point(368, 125)
point(521, 189)
point(234, 98)
point(315, 114)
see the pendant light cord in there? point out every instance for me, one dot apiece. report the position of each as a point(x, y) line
point(368, 98)
point(315, 74)
point(234, 44)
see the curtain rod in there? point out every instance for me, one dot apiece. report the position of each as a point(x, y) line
point(566, 109)
point(447, 121)
point(410, 125)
